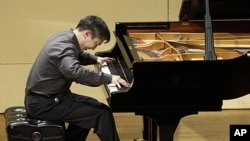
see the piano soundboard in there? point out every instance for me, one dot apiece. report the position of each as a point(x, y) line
point(188, 46)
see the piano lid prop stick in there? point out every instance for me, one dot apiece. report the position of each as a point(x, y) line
point(209, 52)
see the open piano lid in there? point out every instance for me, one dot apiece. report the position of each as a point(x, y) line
point(219, 10)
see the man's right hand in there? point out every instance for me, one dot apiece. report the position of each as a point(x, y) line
point(116, 79)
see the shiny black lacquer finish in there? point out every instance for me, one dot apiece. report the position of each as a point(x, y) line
point(163, 91)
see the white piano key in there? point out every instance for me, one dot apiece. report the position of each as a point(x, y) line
point(105, 69)
point(118, 85)
point(111, 85)
point(112, 88)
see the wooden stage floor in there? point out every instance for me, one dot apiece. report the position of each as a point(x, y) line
point(206, 126)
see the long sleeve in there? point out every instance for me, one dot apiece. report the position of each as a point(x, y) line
point(87, 58)
point(59, 63)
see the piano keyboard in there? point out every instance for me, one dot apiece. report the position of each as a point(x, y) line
point(111, 87)
point(114, 68)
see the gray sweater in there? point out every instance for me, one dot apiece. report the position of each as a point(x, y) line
point(59, 63)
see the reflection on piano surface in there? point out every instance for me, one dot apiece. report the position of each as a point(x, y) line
point(170, 78)
point(118, 67)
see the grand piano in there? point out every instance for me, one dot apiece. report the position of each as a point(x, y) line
point(180, 68)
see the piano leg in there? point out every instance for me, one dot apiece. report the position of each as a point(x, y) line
point(162, 127)
point(167, 129)
point(150, 129)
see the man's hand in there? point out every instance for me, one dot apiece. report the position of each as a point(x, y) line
point(116, 79)
point(104, 60)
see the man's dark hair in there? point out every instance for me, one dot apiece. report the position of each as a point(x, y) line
point(96, 25)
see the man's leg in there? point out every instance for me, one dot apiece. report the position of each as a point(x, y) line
point(87, 113)
point(77, 110)
point(76, 133)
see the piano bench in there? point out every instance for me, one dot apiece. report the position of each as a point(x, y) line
point(20, 127)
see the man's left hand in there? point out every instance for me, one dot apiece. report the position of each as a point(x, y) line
point(104, 60)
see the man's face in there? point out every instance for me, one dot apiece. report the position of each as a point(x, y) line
point(88, 42)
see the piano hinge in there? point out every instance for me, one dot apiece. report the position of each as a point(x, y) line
point(184, 23)
point(184, 20)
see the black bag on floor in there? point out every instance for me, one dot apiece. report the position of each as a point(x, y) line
point(19, 127)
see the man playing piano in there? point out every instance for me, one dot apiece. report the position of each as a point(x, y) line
point(59, 63)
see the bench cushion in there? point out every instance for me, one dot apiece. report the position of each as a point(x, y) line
point(20, 127)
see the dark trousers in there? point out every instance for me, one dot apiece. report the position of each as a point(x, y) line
point(81, 112)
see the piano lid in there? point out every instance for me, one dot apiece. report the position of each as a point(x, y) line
point(219, 10)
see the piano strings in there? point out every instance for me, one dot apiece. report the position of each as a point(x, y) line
point(189, 46)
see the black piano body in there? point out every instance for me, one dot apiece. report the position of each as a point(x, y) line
point(165, 90)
